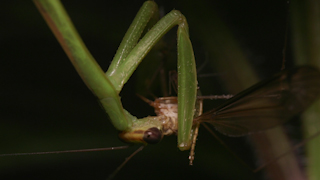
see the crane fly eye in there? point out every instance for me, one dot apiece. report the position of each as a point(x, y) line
point(152, 136)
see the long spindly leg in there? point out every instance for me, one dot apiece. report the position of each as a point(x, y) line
point(195, 128)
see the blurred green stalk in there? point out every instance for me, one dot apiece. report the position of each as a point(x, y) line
point(305, 19)
point(226, 54)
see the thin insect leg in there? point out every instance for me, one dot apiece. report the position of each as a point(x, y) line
point(193, 146)
point(203, 65)
point(67, 151)
point(287, 152)
point(151, 103)
point(161, 72)
point(224, 145)
point(173, 81)
point(212, 97)
point(125, 162)
point(195, 128)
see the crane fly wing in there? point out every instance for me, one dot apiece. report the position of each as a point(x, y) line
point(266, 104)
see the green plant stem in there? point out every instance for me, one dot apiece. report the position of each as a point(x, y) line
point(305, 19)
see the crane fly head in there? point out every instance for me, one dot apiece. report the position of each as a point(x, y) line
point(166, 109)
point(150, 130)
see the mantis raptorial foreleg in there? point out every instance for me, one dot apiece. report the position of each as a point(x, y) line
point(130, 53)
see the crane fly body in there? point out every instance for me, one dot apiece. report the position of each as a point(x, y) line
point(166, 107)
point(266, 104)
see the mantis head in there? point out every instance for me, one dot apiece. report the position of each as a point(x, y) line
point(148, 133)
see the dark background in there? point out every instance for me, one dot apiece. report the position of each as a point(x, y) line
point(45, 106)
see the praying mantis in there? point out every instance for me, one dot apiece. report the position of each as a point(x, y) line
point(115, 136)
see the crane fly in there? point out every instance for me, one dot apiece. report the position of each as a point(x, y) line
point(266, 104)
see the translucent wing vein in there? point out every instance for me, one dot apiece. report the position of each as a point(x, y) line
point(266, 104)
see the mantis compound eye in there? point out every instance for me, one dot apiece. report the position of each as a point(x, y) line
point(146, 136)
point(152, 135)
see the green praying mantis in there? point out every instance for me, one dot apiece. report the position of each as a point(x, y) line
point(107, 86)
point(150, 130)
point(110, 99)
